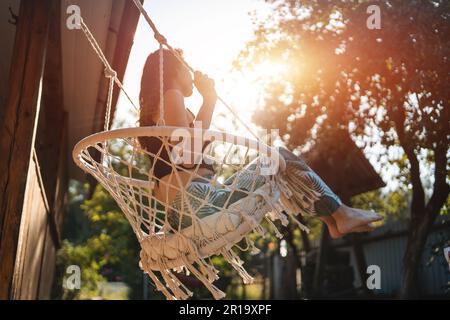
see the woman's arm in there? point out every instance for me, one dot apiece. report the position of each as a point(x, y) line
point(205, 87)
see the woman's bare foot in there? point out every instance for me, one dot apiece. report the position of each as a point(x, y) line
point(334, 232)
point(332, 228)
point(348, 219)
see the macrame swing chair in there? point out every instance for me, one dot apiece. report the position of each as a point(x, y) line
point(125, 169)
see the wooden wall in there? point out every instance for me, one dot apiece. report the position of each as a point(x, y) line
point(33, 144)
point(38, 241)
point(46, 185)
point(17, 128)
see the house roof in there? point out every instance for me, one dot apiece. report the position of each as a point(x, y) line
point(113, 24)
point(342, 165)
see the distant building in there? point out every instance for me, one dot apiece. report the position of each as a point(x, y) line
point(385, 248)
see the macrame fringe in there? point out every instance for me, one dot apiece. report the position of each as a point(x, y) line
point(290, 199)
point(253, 250)
point(232, 258)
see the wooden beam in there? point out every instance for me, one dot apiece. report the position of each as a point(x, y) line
point(51, 120)
point(17, 132)
point(125, 38)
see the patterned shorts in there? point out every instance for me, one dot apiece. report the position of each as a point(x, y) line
point(203, 198)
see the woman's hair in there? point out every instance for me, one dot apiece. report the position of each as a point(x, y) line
point(149, 95)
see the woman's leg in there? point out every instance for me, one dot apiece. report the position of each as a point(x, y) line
point(350, 219)
point(312, 195)
point(310, 191)
point(200, 199)
point(333, 229)
point(248, 180)
point(203, 198)
point(327, 206)
point(244, 181)
point(331, 225)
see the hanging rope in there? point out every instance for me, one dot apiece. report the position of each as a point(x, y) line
point(112, 76)
point(161, 121)
point(163, 42)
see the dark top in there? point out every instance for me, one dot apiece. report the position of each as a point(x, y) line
point(162, 169)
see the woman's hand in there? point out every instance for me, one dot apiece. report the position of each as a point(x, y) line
point(205, 86)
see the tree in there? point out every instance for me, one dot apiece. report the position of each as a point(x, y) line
point(101, 242)
point(387, 86)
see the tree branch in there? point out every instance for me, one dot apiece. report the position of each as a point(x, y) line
point(441, 189)
point(418, 198)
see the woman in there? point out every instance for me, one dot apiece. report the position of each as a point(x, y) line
point(178, 84)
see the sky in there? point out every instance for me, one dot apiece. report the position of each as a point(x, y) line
point(211, 34)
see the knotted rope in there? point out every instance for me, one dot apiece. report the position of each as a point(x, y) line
point(161, 121)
